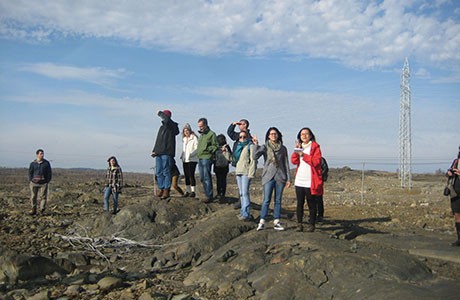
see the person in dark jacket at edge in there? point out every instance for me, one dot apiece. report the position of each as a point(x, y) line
point(39, 176)
point(453, 173)
point(164, 151)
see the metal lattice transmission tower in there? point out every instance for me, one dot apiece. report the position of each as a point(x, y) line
point(405, 149)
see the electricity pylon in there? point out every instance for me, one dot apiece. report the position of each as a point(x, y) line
point(405, 150)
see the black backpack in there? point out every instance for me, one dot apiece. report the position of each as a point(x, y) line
point(324, 168)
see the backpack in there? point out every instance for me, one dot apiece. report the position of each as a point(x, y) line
point(324, 169)
point(221, 161)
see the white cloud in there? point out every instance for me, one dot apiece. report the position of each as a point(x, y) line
point(422, 72)
point(360, 34)
point(95, 75)
point(348, 128)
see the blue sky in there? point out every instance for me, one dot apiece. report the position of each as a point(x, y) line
point(84, 79)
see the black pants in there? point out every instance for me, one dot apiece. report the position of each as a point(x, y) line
point(221, 178)
point(302, 194)
point(320, 205)
point(189, 172)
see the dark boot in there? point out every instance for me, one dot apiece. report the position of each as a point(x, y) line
point(299, 227)
point(457, 243)
point(310, 228)
point(159, 193)
point(165, 194)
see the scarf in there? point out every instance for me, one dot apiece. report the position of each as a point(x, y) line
point(271, 154)
point(239, 149)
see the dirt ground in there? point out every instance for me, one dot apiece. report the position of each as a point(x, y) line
point(362, 203)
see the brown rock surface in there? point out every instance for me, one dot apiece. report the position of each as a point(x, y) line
point(377, 241)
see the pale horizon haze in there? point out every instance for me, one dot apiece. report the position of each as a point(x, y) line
point(84, 79)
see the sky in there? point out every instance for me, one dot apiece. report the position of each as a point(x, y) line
point(84, 79)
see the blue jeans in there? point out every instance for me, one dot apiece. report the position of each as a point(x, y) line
point(269, 187)
point(244, 182)
point(204, 166)
point(108, 191)
point(163, 171)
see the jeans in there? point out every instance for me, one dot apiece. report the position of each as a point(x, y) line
point(244, 182)
point(204, 166)
point(163, 171)
point(107, 192)
point(268, 191)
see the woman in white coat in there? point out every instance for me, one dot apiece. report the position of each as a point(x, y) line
point(189, 159)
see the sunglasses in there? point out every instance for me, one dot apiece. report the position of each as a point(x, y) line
point(242, 136)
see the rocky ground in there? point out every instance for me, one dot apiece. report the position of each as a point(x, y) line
point(376, 242)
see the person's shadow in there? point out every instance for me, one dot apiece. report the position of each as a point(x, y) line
point(349, 229)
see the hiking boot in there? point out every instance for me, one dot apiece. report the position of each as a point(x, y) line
point(222, 199)
point(165, 194)
point(192, 195)
point(299, 228)
point(319, 219)
point(278, 227)
point(261, 226)
point(241, 218)
point(208, 200)
point(310, 228)
point(244, 219)
point(187, 194)
point(33, 212)
point(159, 193)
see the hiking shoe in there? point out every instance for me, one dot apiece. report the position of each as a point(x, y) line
point(222, 199)
point(261, 226)
point(299, 228)
point(209, 200)
point(319, 219)
point(244, 219)
point(310, 228)
point(278, 227)
point(165, 194)
point(159, 193)
point(187, 194)
point(192, 195)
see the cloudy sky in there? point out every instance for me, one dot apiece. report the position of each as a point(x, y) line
point(84, 79)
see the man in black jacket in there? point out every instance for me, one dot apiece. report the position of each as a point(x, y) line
point(164, 151)
point(39, 176)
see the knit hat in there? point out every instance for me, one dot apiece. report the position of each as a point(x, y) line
point(167, 113)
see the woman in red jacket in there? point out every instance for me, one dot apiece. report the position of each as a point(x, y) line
point(308, 180)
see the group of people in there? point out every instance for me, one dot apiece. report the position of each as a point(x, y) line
point(212, 152)
point(209, 150)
